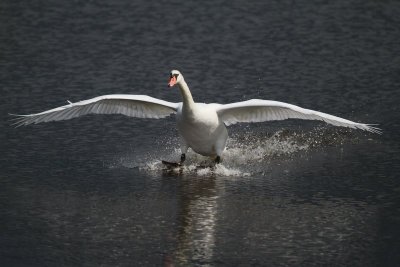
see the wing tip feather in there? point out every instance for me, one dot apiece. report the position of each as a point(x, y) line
point(370, 128)
point(374, 129)
point(18, 120)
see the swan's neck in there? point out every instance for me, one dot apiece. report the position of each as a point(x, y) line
point(188, 102)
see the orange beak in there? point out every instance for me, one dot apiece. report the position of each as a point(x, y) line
point(172, 81)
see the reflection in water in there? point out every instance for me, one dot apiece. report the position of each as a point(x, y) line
point(197, 220)
point(201, 221)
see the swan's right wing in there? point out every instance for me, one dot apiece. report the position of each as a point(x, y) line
point(139, 106)
point(257, 110)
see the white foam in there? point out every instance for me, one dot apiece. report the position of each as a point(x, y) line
point(193, 168)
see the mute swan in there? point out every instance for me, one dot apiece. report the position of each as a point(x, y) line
point(201, 127)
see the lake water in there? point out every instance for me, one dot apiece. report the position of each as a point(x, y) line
point(91, 191)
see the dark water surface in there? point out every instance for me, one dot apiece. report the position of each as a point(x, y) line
point(91, 191)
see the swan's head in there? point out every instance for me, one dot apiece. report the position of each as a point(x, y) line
point(174, 78)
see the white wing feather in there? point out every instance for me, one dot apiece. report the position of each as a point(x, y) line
point(256, 110)
point(139, 106)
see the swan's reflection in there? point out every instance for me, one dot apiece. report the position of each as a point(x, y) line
point(197, 220)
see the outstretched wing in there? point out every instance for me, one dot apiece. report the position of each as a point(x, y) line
point(256, 110)
point(139, 106)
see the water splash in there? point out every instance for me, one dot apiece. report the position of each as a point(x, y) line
point(196, 169)
point(247, 153)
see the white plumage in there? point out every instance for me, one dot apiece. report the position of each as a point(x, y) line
point(257, 110)
point(201, 126)
point(139, 106)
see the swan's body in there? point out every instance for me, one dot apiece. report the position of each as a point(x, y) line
point(202, 127)
point(202, 130)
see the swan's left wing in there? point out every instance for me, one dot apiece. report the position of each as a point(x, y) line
point(139, 106)
point(256, 110)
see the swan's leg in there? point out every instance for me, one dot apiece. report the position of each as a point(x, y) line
point(184, 149)
point(175, 164)
point(220, 144)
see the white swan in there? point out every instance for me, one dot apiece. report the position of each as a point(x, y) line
point(201, 127)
